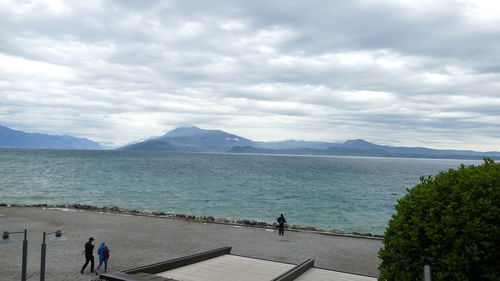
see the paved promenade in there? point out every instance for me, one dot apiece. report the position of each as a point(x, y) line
point(138, 240)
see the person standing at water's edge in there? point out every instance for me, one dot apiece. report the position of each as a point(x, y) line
point(89, 255)
point(281, 224)
point(103, 253)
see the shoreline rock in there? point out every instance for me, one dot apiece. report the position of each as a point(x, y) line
point(206, 219)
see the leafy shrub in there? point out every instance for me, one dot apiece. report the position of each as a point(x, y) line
point(451, 222)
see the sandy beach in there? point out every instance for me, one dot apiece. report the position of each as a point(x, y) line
point(141, 240)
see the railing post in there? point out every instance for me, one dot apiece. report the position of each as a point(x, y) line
point(427, 273)
point(25, 256)
point(42, 259)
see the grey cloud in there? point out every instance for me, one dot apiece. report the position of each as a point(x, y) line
point(134, 68)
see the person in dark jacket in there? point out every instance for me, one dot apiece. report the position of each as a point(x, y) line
point(281, 223)
point(103, 253)
point(89, 255)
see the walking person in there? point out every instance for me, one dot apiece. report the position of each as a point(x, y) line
point(281, 224)
point(103, 253)
point(89, 255)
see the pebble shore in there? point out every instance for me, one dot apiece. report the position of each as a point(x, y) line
point(206, 219)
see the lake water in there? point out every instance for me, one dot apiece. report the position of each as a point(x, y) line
point(348, 193)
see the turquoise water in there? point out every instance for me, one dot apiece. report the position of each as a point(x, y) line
point(348, 193)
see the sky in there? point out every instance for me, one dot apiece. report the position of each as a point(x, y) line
point(392, 72)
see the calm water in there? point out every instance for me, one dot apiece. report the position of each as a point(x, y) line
point(349, 193)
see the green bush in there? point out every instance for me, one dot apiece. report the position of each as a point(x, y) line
point(451, 222)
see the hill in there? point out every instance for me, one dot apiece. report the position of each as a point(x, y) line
point(361, 147)
point(19, 139)
point(191, 139)
point(194, 139)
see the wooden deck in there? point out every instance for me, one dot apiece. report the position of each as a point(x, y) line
point(229, 267)
point(316, 274)
point(220, 265)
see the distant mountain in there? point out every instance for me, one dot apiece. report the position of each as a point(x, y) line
point(420, 152)
point(19, 139)
point(334, 150)
point(194, 139)
point(151, 145)
point(360, 144)
point(184, 131)
point(294, 144)
point(191, 139)
point(363, 148)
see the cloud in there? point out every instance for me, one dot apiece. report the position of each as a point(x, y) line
point(394, 72)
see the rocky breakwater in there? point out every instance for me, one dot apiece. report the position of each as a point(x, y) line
point(207, 219)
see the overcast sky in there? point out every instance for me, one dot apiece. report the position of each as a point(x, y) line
point(405, 73)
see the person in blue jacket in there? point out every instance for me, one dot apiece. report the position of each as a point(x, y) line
point(103, 253)
point(281, 223)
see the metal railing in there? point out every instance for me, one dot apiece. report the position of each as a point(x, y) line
point(427, 273)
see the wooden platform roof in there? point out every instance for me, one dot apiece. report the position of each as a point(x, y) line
point(220, 264)
point(317, 274)
point(229, 267)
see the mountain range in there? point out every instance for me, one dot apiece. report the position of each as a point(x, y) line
point(194, 139)
point(19, 139)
